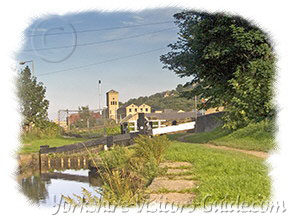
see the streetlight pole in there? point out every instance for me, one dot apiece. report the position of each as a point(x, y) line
point(29, 61)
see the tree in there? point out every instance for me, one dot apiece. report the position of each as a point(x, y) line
point(179, 88)
point(230, 61)
point(87, 118)
point(33, 104)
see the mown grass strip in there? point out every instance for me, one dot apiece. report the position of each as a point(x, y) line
point(223, 174)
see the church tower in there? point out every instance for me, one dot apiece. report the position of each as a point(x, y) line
point(112, 98)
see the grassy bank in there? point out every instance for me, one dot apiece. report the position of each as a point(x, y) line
point(222, 174)
point(257, 136)
point(207, 136)
point(32, 145)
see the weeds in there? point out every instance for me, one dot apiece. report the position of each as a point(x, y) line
point(127, 172)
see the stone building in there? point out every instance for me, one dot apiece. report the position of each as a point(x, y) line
point(112, 99)
point(132, 109)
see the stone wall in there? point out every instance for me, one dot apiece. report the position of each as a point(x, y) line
point(208, 122)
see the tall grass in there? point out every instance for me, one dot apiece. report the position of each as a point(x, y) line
point(126, 172)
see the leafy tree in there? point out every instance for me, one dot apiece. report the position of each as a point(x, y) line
point(230, 61)
point(179, 88)
point(33, 104)
point(84, 113)
point(87, 118)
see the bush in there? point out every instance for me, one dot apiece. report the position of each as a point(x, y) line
point(45, 129)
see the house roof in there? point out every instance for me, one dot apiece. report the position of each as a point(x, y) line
point(125, 106)
point(127, 118)
point(112, 91)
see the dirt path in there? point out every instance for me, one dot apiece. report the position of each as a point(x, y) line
point(260, 154)
point(175, 187)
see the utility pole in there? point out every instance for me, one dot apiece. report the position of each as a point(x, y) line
point(68, 122)
point(99, 84)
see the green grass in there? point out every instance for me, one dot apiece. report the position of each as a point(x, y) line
point(207, 136)
point(175, 136)
point(222, 174)
point(256, 136)
point(33, 145)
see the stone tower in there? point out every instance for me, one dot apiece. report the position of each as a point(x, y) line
point(112, 98)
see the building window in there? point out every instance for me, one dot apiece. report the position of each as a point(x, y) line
point(130, 110)
point(141, 109)
point(146, 109)
point(135, 110)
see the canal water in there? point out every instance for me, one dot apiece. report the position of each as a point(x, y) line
point(65, 176)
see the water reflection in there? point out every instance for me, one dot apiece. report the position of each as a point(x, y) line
point(63, 176)
point(34, 188)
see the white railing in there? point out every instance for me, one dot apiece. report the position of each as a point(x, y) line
point(174, 128)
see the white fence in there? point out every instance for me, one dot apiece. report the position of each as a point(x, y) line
point(174, 128)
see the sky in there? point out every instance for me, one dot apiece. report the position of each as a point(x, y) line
point(71, 53)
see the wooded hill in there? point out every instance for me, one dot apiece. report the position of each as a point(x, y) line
point(165, 100)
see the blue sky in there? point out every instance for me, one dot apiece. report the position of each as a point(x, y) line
point(133, 77)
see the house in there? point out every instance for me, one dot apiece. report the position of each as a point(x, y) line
point(132, 110)
point(116, 113)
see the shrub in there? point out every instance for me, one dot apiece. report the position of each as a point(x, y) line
point(45, 129)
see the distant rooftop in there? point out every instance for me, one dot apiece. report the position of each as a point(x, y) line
point(112, 91)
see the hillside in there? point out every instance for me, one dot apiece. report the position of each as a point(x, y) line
point(165, 100)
